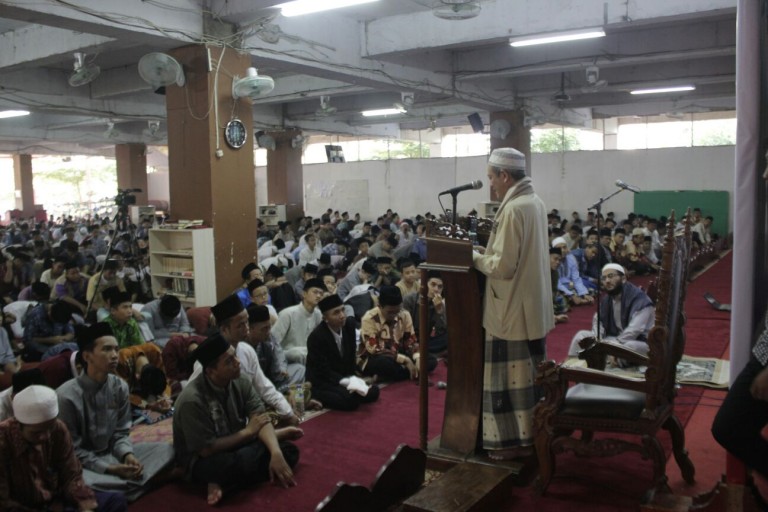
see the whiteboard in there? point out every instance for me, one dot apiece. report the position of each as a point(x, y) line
point(342, 195)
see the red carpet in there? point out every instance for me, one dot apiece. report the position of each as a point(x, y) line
point(351, 447)
point(336, 446)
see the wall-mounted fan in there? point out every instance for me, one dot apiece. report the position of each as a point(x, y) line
point(326, 109)
point(456, 9)
point(83, 73)
point(265, 141)
point(111, 132)
point(252, 85)
point(160, 70)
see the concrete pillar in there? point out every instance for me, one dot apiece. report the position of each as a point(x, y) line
point(285, 175)
point(22, 180)
point(219, 190)
point(131, 162)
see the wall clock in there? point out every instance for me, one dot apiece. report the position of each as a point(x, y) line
point(235, 134)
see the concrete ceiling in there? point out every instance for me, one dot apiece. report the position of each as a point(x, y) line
point(362, 57)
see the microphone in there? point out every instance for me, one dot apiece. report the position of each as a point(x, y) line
point(461, 188)
point(626, 186)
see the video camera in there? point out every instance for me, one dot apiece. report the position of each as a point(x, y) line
point(125, 197)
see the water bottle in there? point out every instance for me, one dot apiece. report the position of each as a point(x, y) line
point(299, 400)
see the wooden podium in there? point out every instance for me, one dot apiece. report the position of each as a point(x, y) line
point(464, 395)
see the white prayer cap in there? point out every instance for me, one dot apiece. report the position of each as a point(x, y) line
point(507, 158)
point(614, 266)
point(559, 240)
point(35, 404)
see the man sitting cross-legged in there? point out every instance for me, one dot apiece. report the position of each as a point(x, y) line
point(626, 313)
point(95, 407)
point(221, 433)
point(331, 360)
point(388, 346)
point(233, 324)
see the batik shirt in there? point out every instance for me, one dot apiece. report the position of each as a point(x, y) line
point(32, 476)
point(380, 338)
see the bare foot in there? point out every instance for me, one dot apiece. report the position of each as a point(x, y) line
point(517, 452)
point(214, 493)
point(288, 433)
point(314, 405)
point(561, 319)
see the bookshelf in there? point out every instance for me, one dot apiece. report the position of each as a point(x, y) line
point(182, 263)
point(271, 214)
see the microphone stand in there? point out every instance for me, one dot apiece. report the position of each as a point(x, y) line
point(454, 197)
point(598, 211)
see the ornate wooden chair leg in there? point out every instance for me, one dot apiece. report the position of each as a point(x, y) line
point(655, 452)
point(678, 448)
point(546, 459)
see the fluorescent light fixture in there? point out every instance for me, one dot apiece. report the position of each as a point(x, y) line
point(558, 37)
point(299, 7)
point(662, 90)
point(13, 113)
point(383, 112)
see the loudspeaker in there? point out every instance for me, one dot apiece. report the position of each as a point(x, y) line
point(476, 122)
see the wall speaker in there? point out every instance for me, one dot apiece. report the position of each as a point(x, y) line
point(476, 122)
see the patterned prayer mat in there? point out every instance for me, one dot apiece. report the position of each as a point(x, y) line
point(708, 372)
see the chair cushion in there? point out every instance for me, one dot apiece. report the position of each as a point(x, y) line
point(591, 400)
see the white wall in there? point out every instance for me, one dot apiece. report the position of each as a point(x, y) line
point(568, 182)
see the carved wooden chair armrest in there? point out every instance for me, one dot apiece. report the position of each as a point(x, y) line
point(595, 353)
point(555, 380)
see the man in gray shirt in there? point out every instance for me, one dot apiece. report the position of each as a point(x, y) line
point(166, 318)
point(220, 432)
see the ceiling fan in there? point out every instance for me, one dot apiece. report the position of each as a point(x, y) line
point(252, 85)
point(83, 73)
point(456, 9)
point(594, 84)
point(561, 97)
point(326, 109)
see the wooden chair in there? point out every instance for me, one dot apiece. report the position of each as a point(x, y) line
point(604, 402)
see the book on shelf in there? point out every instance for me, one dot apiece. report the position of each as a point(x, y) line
point(180, 266)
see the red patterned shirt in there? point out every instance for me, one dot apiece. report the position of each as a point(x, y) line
point(34, 476)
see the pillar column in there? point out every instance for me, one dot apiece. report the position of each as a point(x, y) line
point(285, 174)
point(23, 189)
point(131, 162)
point(219, 190)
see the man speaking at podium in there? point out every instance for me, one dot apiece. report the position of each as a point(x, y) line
point(517, 314)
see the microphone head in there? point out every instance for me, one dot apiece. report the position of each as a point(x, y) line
point(619, 183)
point(477, 184)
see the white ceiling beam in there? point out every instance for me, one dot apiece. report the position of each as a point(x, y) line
point(23, 46)
point(303, 87)
point(329, 47)
point(501, 19)
point(147, 22)
point(73, 105)
point(336, 127)
point(118, 81)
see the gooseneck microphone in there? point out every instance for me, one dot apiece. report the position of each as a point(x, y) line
point(461, 188)
point(626, 186)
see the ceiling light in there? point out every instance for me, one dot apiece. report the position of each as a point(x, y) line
point(662, 90)
point(13, 113)
point(299, 7)
point(558, 37)
point(383, 112)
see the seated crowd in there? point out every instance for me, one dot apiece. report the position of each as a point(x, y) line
point(327, 313)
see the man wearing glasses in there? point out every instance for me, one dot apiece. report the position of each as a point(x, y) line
point(626, 313)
